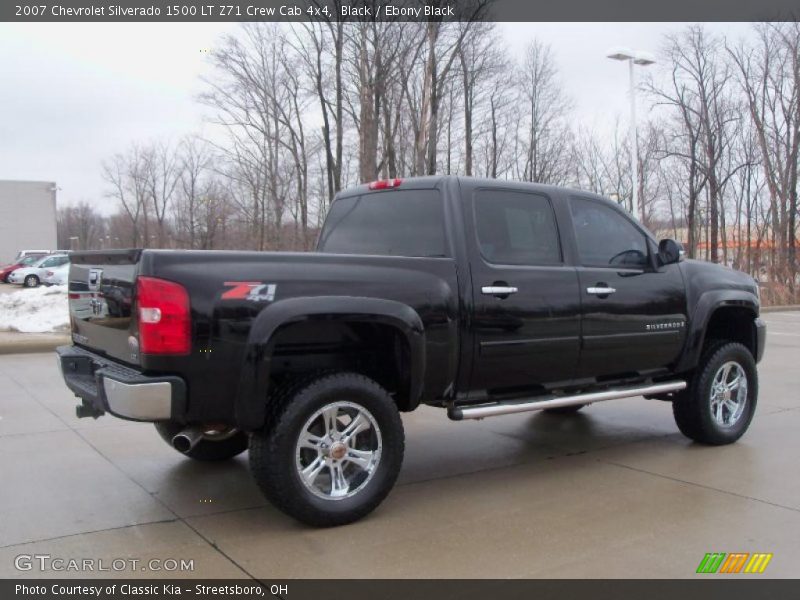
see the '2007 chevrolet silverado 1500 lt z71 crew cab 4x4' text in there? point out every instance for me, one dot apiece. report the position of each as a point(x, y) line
point(480, 297)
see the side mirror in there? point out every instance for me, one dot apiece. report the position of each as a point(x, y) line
point(669, 252)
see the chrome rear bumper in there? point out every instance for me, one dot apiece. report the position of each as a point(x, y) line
point(107, 386)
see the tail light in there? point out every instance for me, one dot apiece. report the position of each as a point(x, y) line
point(385, 184)
point(164, 317)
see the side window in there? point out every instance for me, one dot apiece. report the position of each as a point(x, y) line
point(606, 238)
point(516, 228)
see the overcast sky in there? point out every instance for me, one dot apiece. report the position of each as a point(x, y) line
point(71, 95)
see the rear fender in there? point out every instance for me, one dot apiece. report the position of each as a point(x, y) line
point(253, 389)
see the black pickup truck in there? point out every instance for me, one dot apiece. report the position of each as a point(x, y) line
point(480, 297)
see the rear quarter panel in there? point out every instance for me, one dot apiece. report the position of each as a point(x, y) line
point(222, 326)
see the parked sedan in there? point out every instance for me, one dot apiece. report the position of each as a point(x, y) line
point(19, 262)
point(56, 275)
point(32, 276)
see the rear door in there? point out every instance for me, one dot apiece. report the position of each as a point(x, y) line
point(526, 316)
point(634, 314)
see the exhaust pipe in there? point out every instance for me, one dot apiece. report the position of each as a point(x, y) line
point(187, 439)
point(458, 413)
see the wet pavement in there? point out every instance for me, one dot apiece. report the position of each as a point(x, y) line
point(613, 491)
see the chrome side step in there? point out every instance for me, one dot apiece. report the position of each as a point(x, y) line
point(458, 413)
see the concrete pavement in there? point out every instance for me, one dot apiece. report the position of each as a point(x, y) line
point(613, 491)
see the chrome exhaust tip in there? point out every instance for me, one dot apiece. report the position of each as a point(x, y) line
point(187, 439)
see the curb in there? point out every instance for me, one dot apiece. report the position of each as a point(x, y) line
point(784, 308)
point(32, 346)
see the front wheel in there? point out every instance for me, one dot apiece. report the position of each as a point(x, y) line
point(720, 402)
point(31, 281)
point(331, 450)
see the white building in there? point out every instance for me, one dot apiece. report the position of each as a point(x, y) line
point(27, 217)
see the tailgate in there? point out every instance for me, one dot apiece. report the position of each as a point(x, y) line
point(101, 291)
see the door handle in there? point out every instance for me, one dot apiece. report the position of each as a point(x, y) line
point(498, 290)
point(600, 291)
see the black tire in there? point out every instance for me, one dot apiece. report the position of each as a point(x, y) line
point(206, 450)
point(564, 410)
point(276, 459)
point(31, 281)
point(693, 407)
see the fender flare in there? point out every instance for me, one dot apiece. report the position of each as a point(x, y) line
point(253, 388)
point(704, 309)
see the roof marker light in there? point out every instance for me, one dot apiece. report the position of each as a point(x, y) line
point(385, 184)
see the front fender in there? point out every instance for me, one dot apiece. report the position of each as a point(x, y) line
point(251, 396)
point(701, 315)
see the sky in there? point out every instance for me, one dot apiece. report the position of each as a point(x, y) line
point(72, 95)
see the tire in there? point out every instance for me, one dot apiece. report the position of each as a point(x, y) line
point(564, 410)
point(697, 414)
point(277, 456)
point(31, 281)
point(207, 449)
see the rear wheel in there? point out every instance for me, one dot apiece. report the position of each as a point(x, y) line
point(31, 281)
point(331, 451)
point(720, 402)
point(213, 445)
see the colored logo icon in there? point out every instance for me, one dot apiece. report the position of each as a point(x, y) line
point(735, 562)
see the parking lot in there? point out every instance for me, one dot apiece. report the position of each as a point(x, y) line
point(613, 491)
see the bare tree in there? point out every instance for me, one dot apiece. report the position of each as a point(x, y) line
point(81, 221)
point(769, 76)
point(542, 128)
point(126, 176)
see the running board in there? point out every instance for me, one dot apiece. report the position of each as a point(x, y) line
point(458, 413)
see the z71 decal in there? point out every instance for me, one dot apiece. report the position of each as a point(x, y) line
point(254, 291)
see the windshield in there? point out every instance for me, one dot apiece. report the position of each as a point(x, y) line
point(48, 261)
point(29, 260)
point(393, 223)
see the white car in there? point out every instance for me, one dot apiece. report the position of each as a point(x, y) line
point(56, 275)
point(32, 276)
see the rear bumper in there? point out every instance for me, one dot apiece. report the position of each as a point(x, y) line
point(761, 338)
point(105, 386)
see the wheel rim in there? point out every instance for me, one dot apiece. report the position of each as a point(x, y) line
point(338, 450)
point(728, 394)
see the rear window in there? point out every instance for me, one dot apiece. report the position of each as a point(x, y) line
point(393, 223)
point(516, 228)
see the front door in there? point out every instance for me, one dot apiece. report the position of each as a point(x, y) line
point(526, 319)
point(634, 312)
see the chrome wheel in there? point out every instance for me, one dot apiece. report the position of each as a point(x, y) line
point(338, 450)
point(728, 394)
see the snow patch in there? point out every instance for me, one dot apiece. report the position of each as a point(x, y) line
point(37, 310)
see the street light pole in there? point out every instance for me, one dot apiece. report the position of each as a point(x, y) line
point(634, 146)
point(633, 57)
